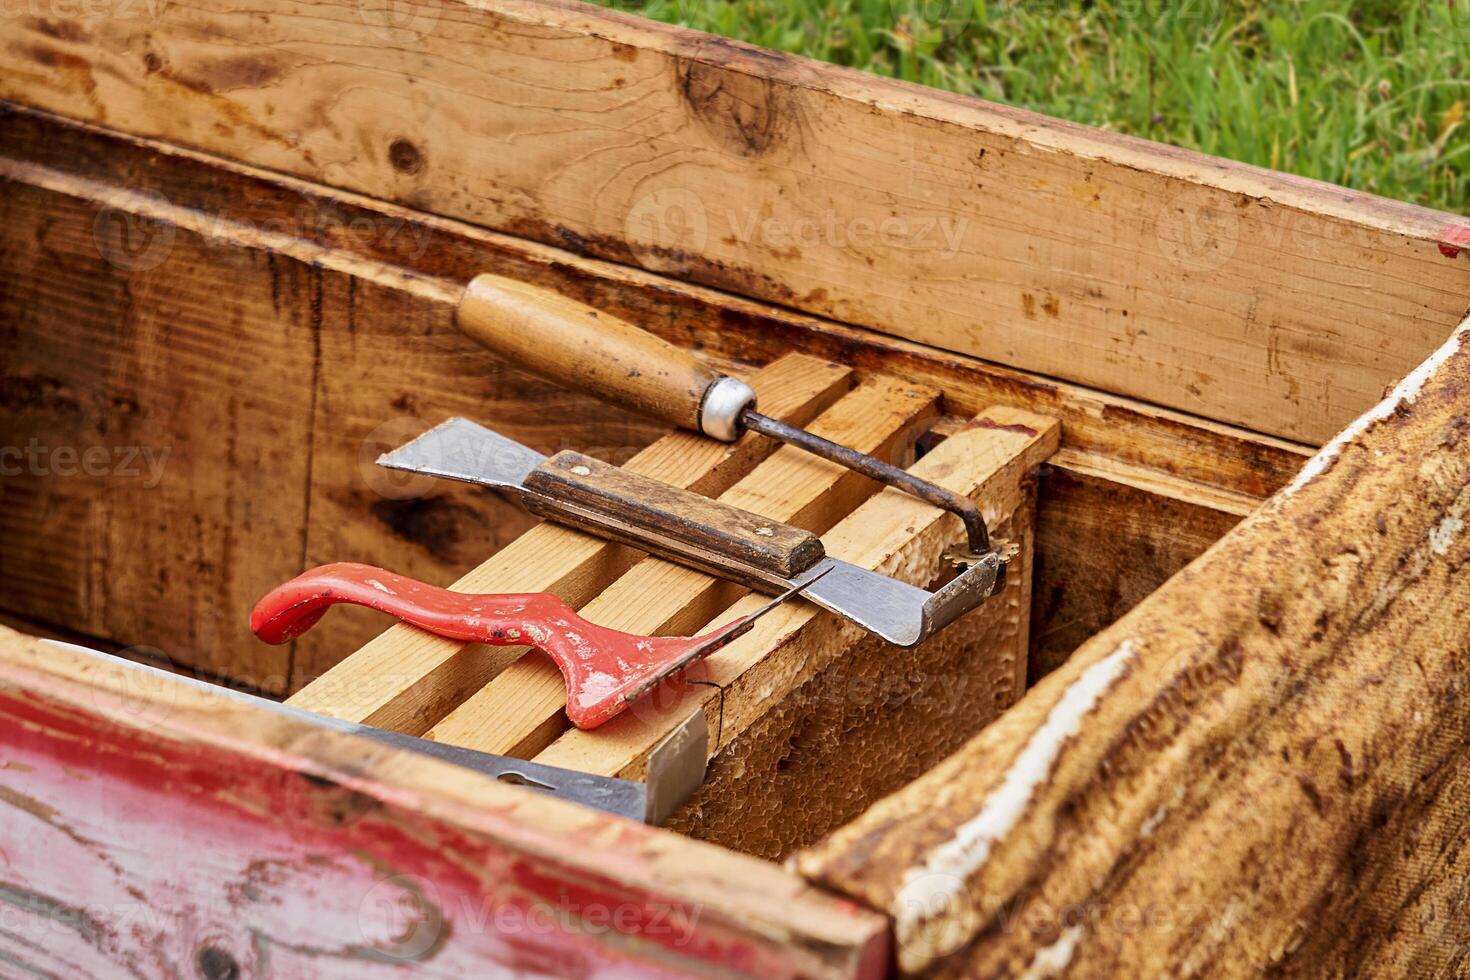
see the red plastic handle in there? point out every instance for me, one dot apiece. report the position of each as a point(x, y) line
point(605, 669)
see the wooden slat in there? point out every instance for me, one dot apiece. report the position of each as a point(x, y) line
point(407, 679)
point(1237, 293)
point(521, 711)
point(891, 532)
point(123, 497)
point(155, 829)
point(1259, 769)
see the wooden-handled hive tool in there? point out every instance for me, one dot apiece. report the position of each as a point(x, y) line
point(581, 347)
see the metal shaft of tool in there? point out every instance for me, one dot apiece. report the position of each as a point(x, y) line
point(957, 504)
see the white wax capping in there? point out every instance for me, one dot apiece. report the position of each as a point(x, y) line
point(1052, 960)
point(1442, 535)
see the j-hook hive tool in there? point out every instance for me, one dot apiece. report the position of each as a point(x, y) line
point(605, 669)
point(583, 348)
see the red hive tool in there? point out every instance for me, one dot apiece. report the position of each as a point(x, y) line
point(605, 669)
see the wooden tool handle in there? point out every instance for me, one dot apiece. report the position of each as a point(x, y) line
point(679, 514)
point(580, 347)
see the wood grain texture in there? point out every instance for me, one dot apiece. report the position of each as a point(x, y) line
point(1261, 768)
point(521, 710)
point(407, 679)
point(125, 500)
point(891, 533)
point(874, 719)
point(576, 346)
point(1236, 293)
point(423, 261)
point(302, 852)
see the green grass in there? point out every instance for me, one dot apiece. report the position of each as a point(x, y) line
point(1370, 94)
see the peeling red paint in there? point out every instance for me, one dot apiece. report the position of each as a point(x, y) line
point(1452, 239)
point(195, 849)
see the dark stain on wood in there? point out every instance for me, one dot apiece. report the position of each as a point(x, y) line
point(1095, 562)
point(744, 112)
point(244, 71)
point(60, 30)
point(983, 423)
point(214, 963)
point(39, 393)
point(405, 157)
point(439, 525)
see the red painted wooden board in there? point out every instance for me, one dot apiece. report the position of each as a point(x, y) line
point(149, 829)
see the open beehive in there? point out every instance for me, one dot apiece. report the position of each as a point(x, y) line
point(234, 240)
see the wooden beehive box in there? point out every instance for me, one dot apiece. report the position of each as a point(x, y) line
point(1216, 724)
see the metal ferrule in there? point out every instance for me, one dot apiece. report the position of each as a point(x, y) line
point(724, 402)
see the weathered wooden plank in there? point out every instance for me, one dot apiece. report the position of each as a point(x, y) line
point(892, 533)
point(1261, 767)
point(155, 829)
point(426, 260)
point(1237, 293)
point(521, 710)
point(408, 680)
point(124, 499)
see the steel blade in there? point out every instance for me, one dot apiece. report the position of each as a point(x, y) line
point(892, 609)
point(459, 449)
